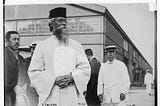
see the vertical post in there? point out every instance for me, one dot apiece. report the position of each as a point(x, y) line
point(155, 57)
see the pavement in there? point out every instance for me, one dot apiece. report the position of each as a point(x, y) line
point(137, 96)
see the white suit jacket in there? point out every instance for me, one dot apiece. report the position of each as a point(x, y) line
point(148, 78)
point(113, 79)
point(50, 60)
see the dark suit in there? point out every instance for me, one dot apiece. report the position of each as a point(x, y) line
point(14, 68)
point(17, 69)
point(91, 94)
point(28, 61)
point(11, 77)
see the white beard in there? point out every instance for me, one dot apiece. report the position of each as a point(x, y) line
point(62, 35)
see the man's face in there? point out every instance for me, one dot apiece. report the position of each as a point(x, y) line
point(88, 57)
point(59, 28)
point(14, 41)
point(111, 55)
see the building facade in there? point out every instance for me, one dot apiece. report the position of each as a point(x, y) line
point(90, 24)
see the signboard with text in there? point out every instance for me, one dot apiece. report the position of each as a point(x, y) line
point(75, 25)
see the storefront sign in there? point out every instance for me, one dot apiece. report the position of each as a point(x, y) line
point(75, 25)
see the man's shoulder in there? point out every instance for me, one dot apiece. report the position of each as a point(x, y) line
point(8, 52)
point(118, 61)
point(75, 44)
point(72, 41)
point(104, 64)
point(95, 60)
point(44, 42)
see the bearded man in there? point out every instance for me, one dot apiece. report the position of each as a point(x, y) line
point(59, 69)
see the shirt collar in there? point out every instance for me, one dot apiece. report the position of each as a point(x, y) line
point(111, 61)
point(91, 58)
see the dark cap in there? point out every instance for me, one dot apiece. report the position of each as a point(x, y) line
point(147, 70)
point(110, 48)
point(57, 12)
point(33, 46)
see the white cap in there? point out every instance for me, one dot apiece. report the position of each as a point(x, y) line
point(111, 48)
point(147, 70)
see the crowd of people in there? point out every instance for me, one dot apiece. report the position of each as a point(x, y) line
point(61, 73)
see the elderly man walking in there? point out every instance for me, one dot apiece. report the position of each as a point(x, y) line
point(113, 80)
point(59, 69)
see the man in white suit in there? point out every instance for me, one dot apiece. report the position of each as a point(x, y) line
point(59, 68)
point(148, 80)
point(113, 80)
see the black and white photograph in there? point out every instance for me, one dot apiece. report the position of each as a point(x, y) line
point(79, 54)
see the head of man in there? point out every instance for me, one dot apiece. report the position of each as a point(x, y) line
point(89, 53)
point(111, 53)
point(147, 71)
point(13, 40)
point(57, 23)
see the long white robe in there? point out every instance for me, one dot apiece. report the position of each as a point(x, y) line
point(113, 79)
point(50, 60)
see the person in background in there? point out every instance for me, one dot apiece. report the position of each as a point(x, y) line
point(91, 93)
point(16, 77)
point(113, 80)
point(11, 67)
point(59, 69)
point(148, 81)
point(17, 84)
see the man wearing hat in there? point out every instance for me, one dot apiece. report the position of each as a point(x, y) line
point(148, 81)
point(59, 69)
point(113, 80)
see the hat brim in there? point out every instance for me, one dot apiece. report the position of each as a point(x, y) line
point(109, 50)
point(32, 46)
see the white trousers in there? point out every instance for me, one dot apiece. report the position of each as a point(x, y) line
point(148, 88)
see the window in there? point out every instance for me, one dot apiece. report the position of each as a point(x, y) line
point(40, 26)
point(125, 45)
point(26, 27)
point(85, 24)
point(134, 54)
point(10, 25)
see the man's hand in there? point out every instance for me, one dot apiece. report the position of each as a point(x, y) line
point(100, 97)
point(122, 96)
point(64, 81)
